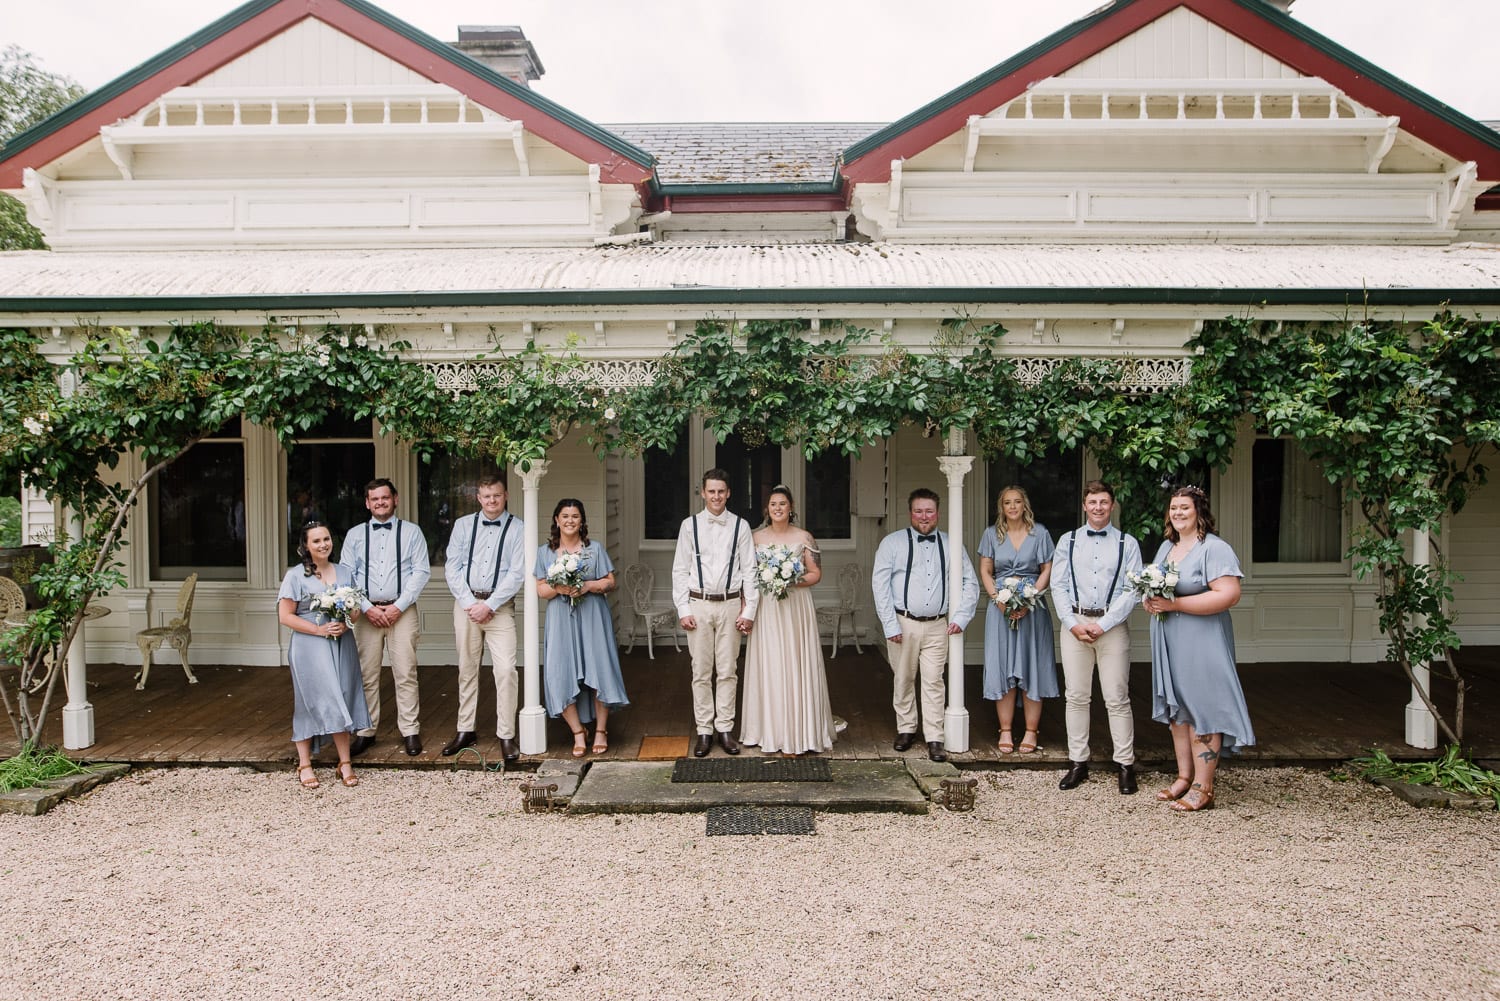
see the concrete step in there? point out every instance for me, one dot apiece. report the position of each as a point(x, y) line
point(647, 787)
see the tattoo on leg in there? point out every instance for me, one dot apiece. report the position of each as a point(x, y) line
point(1209, 755)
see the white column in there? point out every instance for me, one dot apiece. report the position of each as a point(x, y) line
point(533, 717)
point(956, 719)
point(78, 714)
point(1421, 725)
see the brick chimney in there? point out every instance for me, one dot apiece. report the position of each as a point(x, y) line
point(503, 48)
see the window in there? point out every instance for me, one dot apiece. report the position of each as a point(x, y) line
point(446, 489)
point(666, 489)
point(326, 473)
point(1195, 473)
point(1296, 514)
point(1053, 483)
point(197, 511)
point(753, 470)
point(824, 511)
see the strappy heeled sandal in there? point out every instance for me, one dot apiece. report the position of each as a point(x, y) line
point(1007, 746)
point(349, 779)
point(1168, 796)
point(601, 741)
point(307, 783)
point(1204, 800)
point(1032, 745)
point(580, 742)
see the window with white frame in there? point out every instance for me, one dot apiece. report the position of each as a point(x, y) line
point(196, 511)
point(1296, 514)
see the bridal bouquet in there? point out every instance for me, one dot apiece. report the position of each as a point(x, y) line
point(567, 571)
point(1016, 594)
point(778, 569)
point(1154, 580)
point(338, 604)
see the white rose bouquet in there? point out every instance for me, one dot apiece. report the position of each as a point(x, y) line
point(1154, 580)
point(338, 604)
point(567, 571)
point(1016, 594)
point(778, 569)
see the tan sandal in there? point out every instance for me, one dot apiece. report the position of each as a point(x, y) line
point(307, 783)
point(1006, 745)
point(1029, 742)
point(601, 741)
point(1195, 799)
point(349, 779)
point(580, 742)
point(1167, 795)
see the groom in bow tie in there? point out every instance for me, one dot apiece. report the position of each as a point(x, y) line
point(711, 573)
point(910, 583)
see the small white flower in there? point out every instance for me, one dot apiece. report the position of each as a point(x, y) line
point(1004, 595)
point(767, 573)
point(343, 340)
point(35, 426)
point(786, 569)
point(362, 340)
point(609, 413)
point(1012, 582)
point(1029, 591)
point(323, 358)
point(1171, 580)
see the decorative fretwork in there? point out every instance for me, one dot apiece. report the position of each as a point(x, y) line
point(1137, 375)
point(463, 376)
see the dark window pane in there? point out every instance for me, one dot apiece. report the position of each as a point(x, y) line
point(1195, 474)
point(668, 486)
point(446, 489)
point(326, 483)
point(825, 510)
point(1053, 483)
point(752, 474)
point(197, 514)
point(339, 425)
point(1296, 515)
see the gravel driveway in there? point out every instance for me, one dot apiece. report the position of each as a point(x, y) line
point(231, 884)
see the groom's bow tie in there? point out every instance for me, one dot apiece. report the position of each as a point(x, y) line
point(1100, 534)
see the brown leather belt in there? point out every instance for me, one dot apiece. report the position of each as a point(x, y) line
point(707, 596)
point(1093, 613)
point(382, 604)
point(481, 595)
point(919, 618)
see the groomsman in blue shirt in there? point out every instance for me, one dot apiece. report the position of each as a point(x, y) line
point(1089, 570)
point(910, 582)
point(484, 569)
point(388, 558)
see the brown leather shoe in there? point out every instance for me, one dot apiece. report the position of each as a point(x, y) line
point(703, 745)
point(728, 742)
point(509, 749)
point(463, 739)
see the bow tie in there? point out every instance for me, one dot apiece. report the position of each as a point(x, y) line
point(719, 519)
point(493, 524)
point(1099, 534)
point(378, 525)
point(927, 538)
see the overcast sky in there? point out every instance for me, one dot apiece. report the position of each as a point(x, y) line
point(774, 60)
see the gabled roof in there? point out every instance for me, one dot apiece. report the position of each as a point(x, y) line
point(1255, 21)
point(258, 20)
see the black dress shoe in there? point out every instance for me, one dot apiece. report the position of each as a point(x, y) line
point(1127, 780)
point(728, 742)
point(359, 745)
point(703, 745)
point(935, 751)
point(1075, 775)
point(465, 738)
point(413, 745)
point(509, 749)
point(904, 741)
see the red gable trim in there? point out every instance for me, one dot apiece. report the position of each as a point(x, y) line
point(1128, 17)
point(263, 26)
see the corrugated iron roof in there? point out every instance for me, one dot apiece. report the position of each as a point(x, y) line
point(744, 153)
point(782, 270)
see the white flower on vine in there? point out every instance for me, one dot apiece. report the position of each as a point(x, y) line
point(35, 426)
point(323, 357)
point(362, 341)
point(609, 413)
point(343, 340)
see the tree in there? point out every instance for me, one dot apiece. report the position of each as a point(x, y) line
point(28, 94)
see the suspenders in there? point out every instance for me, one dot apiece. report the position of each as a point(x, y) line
point(398, 558)
point(734, 552)
point(911, 552)
point(499, 553)
point(1073, 574)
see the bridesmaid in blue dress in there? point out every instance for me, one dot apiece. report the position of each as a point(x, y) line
point(1195, 688)
point(1021, 658)
point(328, 691)
point(581, 667)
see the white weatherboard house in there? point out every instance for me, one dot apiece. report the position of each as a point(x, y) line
point(1152, 166)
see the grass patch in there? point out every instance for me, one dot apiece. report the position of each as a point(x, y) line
point(35, 765)
point(1452, 772)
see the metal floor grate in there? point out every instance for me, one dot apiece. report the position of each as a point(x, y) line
point(724, 820)
point(751, 770)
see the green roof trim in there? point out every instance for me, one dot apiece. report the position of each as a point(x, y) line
point(240, 15)
point(694, 295)
point(1260, 8)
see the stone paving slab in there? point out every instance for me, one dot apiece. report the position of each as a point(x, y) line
point(39, 799)
point(647, 787)
point(929, 775)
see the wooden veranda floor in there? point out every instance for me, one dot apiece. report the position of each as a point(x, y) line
point(1303, 713)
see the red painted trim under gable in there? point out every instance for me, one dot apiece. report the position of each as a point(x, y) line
point(875, 166)
point(229, 46)
point(1488, 202)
